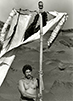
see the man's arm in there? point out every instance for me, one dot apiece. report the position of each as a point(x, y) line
point(23, 91)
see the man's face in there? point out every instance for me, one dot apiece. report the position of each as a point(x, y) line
point(28, 74)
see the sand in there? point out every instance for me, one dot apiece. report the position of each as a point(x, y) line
point(57, 69)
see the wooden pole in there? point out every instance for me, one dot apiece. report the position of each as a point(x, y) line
point(40, 4)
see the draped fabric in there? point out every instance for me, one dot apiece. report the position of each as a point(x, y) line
point(20, 33)
point(32, 28)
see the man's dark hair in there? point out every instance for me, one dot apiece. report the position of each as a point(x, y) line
point(26, 67)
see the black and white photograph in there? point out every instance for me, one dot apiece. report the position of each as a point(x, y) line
point(36, 50)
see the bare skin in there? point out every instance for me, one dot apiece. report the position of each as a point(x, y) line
point(27, 86)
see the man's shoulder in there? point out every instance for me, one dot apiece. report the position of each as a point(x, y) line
point(35, 79)
point(22, 80)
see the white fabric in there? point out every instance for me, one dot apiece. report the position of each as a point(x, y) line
point(21, 28)
point(45, 28)
point(13, 12)
point(5, 64)
point(56, 30)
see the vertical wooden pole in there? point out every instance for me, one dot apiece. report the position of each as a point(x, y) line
point(40, 4)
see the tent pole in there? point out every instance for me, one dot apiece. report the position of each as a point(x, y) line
point(40, 4)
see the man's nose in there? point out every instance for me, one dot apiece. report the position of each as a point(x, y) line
point(29, 73)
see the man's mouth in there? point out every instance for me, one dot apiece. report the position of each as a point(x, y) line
point(29, 75)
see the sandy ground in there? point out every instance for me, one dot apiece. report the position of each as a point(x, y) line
point(57, 69)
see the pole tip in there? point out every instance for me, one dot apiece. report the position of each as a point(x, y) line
point(40, 5)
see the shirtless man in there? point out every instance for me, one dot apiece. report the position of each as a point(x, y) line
point(28, 85)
